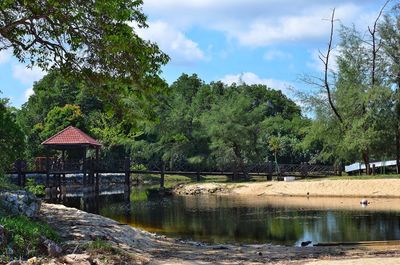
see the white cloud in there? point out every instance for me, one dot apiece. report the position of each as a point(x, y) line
point(276, 55)
point(173, 42)
point(265, 31)
point(29, 92)
point(27, 75)
point(316, 64)
point(5, 56)
point(253, 79)
point(257, 23)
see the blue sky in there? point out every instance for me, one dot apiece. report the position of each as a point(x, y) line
point(272, 42)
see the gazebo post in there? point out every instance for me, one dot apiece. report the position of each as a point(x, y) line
point(47, 186)
point(96, 171)
point(63, 184)
point(84, 180)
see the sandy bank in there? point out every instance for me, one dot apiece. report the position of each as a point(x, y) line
point(382, 188)
point(77, 227)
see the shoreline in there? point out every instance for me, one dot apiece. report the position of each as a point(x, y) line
point(77, 227)
point(371, 188)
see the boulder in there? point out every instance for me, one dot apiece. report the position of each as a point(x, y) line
point(53, 250)
point(20, 203)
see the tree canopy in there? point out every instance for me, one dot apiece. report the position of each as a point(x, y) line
point(94, 38)
point(11, 137)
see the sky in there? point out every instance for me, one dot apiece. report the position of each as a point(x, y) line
point(271, 42)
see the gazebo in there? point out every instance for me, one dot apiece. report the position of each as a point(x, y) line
point(70, 138)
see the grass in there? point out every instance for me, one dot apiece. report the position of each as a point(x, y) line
point(108, 254)
point(100, 245)
point(23, 237)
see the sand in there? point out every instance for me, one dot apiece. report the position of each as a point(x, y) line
point(376, 188)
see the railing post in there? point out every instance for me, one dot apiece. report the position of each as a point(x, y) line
point(198, 176)
point(162, 177)
point(269, 170)
point(47, 171)
point(304, 169)
point(127, 167)
point(19, 172)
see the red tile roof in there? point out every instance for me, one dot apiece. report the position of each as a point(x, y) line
point(71, 136)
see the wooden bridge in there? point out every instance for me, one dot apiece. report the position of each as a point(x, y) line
point(56, 168)
point(90, 169)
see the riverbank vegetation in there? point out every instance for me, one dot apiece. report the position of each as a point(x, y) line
point(23, 237)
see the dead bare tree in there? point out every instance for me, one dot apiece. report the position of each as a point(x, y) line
point(325, 60)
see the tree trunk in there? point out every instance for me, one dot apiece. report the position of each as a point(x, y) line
point(240, 163)
point(397, 126)
point(366, 162)
point(397, 150)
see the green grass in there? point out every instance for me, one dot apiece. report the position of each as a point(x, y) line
point(23, 236)
point(100, 245)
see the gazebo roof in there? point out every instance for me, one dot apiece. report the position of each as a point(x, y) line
point(71, 137)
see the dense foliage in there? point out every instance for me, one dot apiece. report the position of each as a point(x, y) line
point(361, 123)
point(194, 124)
point(11, 137)
point(94, 38)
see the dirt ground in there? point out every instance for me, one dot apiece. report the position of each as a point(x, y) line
point(77, 227)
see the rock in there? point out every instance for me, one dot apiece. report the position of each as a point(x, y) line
point(21, 203)
point(305, 243)
point(15, 262)
point(53, 250)
point(218, 247)
point(33, 261)
point(2, 236)
point(77, 259)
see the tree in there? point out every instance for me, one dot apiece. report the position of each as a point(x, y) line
point(389, 30)
point(95, 38)
point(61, 117)
point(238, 124)
point(11, 137)
point(356, 99)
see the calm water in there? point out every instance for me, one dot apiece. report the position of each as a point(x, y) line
point(216, 219)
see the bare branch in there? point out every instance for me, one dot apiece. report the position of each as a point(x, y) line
point(326, 69)
point(375, 47)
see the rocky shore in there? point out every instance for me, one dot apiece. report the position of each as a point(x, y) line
point(77, 228)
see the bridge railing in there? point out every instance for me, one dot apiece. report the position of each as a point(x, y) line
point(122, 165)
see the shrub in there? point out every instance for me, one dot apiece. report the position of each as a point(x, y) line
point(23, 237)
point(37, 189)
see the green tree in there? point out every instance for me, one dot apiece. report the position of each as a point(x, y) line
point(389, 30)
point(61, 117)
point(237, 123)
point(354, 106)
point(11, 137)
point(94, 38)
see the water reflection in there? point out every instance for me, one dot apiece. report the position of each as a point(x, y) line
point(239, 220)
